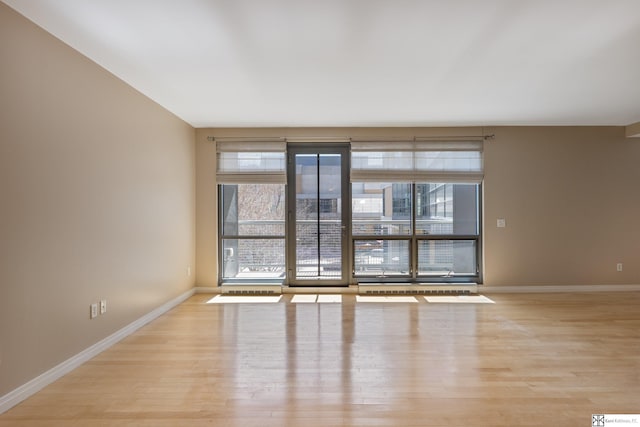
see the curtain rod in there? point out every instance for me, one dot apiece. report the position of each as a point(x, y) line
point(346, 139)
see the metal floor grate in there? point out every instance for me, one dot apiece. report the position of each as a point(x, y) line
point(418, 292)
point(250, 292)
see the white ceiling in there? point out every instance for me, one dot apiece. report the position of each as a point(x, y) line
point(365, 62)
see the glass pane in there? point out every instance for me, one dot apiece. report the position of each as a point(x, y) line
point(330, 215)
point(307, 232)
point(253, 209)
point(251, 162)
point(447, 258)
point(381, 257)
point(253, 258)
point(446, 208)
point(318, 216)
point(381, 208)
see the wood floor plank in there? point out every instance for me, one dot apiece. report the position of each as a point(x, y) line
point(527, 360)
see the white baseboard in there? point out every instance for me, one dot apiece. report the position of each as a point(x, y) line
point(556, 288)
point(207, 290)
point(28, 389)
point(519, 289)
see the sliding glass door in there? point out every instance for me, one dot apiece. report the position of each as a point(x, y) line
point(317, 219)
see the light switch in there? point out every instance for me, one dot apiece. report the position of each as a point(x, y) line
point(502, 223)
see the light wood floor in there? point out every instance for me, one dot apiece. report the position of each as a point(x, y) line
point(528, 360)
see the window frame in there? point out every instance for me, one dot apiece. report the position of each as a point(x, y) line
point(222, 237)
point(414, 239)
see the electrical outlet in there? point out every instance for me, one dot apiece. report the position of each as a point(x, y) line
point(501, 223)
point(619, 266)
point(103, 306)
point(93, 311)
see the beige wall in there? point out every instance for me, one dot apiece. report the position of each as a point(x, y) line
point(97, 188)
point(568, 194)
point(571, 203)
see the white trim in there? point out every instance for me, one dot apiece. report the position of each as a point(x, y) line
point(28, 389)
point(479, 288)
point(556, 288)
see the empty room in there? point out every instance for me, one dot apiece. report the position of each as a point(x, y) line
point(319, 213)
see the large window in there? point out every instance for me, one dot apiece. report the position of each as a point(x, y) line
point(416, 209)
point(418, 231)
point(413, 213)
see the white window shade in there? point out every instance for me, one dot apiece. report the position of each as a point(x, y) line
point(448, 161)
point(381, 160)
point(251, 161)
point(413, 161)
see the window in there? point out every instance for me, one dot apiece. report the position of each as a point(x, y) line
point(251, 177)
point(416, 209)
point(253, 231)
point(443, 228)
point(447, 230)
